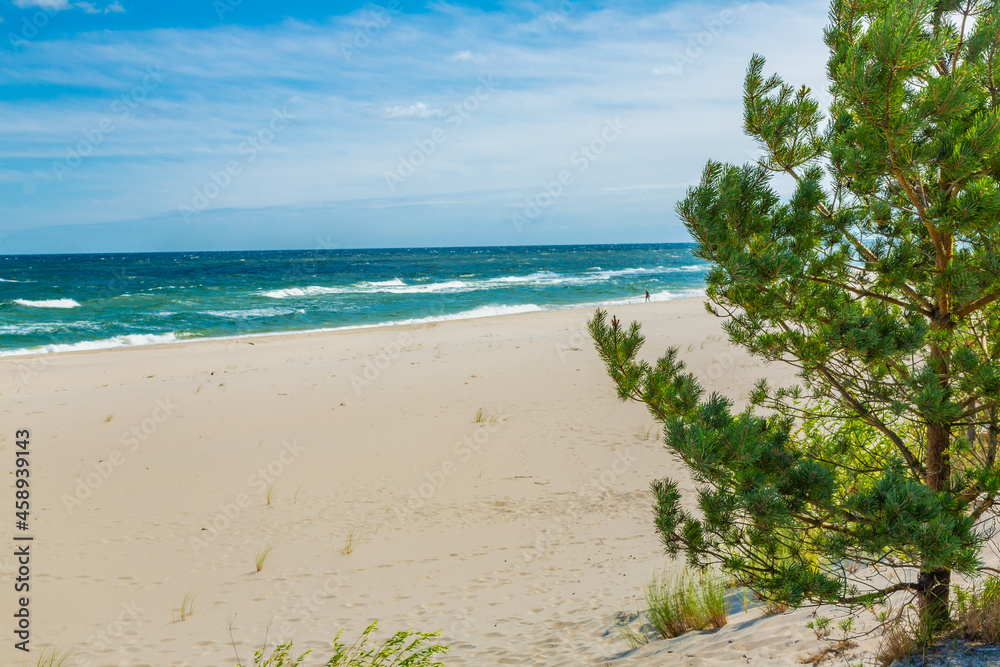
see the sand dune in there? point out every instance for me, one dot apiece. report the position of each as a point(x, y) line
point(520, 536)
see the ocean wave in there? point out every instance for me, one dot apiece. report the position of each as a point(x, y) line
point(48, 303)
point(303, 291)
point(396, 286)
point(253, 313)
point(130, 340)
point(395, 282)
point(11, 280)
point(620, 273)
point(538, 278)
point(43, 327)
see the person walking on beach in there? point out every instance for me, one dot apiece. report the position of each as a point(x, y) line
point(647, 296)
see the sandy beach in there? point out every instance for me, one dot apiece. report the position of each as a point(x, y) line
point(482, 475)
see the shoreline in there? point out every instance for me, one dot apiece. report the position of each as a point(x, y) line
point(475, 476)
point(21, 353)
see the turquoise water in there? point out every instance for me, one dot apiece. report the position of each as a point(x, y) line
point(54, 303)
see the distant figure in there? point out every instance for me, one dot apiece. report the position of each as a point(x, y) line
point(647, 295)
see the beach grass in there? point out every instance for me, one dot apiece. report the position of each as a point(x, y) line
point(261, 557)
point(51, 657)
point(185, 610)
point(686, 601)
point(349, 544)
point(484, 416)
point(976, 612)
point(406, 648)
point(270, 495)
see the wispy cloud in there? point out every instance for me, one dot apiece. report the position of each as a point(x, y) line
point(60, 5)
point(417, 110)
point(53, 5)
point(557, 84)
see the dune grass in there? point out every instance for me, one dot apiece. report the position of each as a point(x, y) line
point(686, 601)
point(349, 544)
point(484, 416)
point(51, 657)
point(406, 648)
point(976, 612)
point(261, 557)
point(185, 610)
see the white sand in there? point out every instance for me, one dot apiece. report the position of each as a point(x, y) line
point(520, 538)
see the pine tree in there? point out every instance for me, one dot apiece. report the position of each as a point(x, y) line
point(879, 280)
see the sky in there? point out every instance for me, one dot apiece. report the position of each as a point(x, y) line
point(142, 125)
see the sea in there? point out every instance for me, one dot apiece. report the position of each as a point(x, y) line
point(61, 303)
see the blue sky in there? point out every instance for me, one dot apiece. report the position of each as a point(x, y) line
point(228, 124)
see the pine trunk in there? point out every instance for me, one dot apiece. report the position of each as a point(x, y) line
point(935, 584)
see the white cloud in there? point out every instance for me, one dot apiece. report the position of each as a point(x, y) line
point(469, 56)
point(60, 5)
point(555, 89)
point(418, 110)
point(51, 5)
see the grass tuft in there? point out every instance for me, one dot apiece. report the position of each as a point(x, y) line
point(406, 648)
point(261, 557)
point(976, 612)
point(632, 638)
point(489, 416)
point(51, 657)
point(349, 544)
point(186, 609)
point(270, 494)
point(108, 418)
point(686, 601)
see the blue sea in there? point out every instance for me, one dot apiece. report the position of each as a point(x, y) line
point(57, 303)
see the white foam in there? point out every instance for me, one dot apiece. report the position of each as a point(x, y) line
point(303, 291)
point(137, 340)
point(251, 313)
point(395, 282)
point(130, 340)
point(48, 303)
point(448, 286)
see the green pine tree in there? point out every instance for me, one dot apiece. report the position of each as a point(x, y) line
point(879, 281)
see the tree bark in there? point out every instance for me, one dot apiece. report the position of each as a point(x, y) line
point(935, 583)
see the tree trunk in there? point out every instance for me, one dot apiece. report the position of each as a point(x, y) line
point(935, 587)
point(935, 584)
